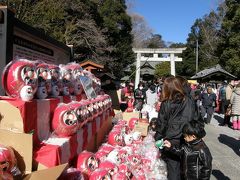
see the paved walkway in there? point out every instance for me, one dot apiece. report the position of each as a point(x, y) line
point(224, 144)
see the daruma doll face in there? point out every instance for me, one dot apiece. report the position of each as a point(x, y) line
point(64, 122)
point(20, 80)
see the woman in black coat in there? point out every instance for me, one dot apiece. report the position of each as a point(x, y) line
point(176, 110)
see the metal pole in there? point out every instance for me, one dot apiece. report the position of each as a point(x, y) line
point(197, 56)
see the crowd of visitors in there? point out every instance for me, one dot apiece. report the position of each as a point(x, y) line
point(183, 109)
point(208, 98)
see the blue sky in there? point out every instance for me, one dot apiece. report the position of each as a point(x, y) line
point(173, 18)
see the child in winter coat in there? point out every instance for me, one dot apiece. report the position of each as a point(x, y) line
point(196, 157)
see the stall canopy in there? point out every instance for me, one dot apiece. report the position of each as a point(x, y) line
point(216, 73)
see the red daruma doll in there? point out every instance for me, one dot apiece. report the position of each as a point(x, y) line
point(80, 110)
point(77, 72)
point(7, 159)
point(19, 79)
point(64, 122)
point(100, 174)
point(87, 163)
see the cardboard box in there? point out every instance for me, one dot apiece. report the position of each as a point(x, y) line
point(128, 115)
point(10, 117)
point(22, 145)
point(142, 127)
point(51, 173)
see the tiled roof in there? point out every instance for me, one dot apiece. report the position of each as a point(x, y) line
point(209, 71)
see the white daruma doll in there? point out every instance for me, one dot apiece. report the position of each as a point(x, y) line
point(56, 82)
point(44, 80)
point(77, 72)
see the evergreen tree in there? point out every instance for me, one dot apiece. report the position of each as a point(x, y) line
point(162, 69)
point(229, 46)
point(206, 32)
point(98, 30)
point(117, 26)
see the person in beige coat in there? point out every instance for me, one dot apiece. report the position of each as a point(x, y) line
point(235, 101)
point(229, 90)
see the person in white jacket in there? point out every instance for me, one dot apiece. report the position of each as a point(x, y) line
point(151, 99)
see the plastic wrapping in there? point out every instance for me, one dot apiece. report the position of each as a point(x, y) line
point(115, 138)
point(57, 86)
point(100, 174)
point(124, 169)
point(80, 110)
point(132, 122)
point(76, 71)
point(134, 160)
point(64, 122)
point(148, 148)
point(19, 79)
point(95, 108)
point(113, 157)
point(138, 174)
point(87, 162)
point(100, 100)
point(158, 171)
point(106, 147)
point(67, 79)
point(8, 162)
point(97, 85)
point(44, 80)
point(120, 176)
point(101, 155)
point(88, 110)
point(109, 166)
point(71, 174)
point(128, 139)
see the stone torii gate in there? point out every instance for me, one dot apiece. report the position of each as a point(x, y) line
point(169, 55)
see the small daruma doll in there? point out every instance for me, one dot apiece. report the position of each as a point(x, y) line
point(100, 174)
point(44, 80)
point(64, 122)
point(19, 79)
point(87, 163)
point(7, 159)
point(67, 78)
point(132, 123)
point(95, 107)
point(77, 71)
point(56, 83)
point(115, 138)
point(100, 100)
point(81, 112)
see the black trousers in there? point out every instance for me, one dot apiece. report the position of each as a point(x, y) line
point(209, 111)
point(173, 164)
point(226, 118)
point(223, 106)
